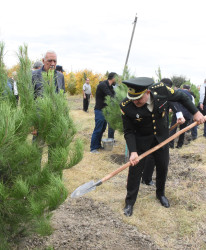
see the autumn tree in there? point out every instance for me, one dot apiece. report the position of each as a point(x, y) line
point(74, 81)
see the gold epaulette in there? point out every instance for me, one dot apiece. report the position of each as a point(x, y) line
point(161, 84)
point(123, 104)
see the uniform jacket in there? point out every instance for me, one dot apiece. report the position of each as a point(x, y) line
point(38, 83)
point(141, 126)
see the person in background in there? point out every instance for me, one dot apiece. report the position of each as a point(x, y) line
point(104, 88)
point(38, 76)
point(187, 115)
point(60, 68)
point(49, 64)
point(194, 129)
point(12, 84)
point(37, 65)
point(202, 103)
point(87, 93)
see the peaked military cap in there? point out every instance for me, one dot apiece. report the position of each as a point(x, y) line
point(137, 86)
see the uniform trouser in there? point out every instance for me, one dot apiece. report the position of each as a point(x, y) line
point(86, 102)
point(148, 168)
point(161, 158)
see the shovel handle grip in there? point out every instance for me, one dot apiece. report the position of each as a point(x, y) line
point(174, 126)
point(128, 164)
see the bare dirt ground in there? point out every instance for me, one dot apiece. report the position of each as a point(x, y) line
point(96, 220)
point(86, 224)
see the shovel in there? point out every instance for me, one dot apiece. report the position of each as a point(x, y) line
point(89, 186)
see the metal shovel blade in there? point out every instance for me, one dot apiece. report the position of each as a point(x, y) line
point(85, 188)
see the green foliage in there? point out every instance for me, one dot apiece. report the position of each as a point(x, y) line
point(112, 112)
point(24, 83)
point(43, 226)
point(158, 74)
point(55, 192)
point(29, 191)
point(76, 154)
point(178, 81)
point(3, 76)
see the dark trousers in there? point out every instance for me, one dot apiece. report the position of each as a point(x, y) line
point(161, 159)
point(100, 127)
point(194, 132)
point(86, 102)
point(110, 132)
point(182, 136)
point(148, 168)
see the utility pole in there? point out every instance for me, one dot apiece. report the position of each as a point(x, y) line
point(135, 21)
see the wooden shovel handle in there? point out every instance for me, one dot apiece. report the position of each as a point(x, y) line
point(174, 126)
point(128, 164)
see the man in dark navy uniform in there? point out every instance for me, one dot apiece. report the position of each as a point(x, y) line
point(145, 126)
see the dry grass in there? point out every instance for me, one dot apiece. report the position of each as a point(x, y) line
point(183, 225)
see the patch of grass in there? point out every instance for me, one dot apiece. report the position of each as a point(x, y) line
point(43, 227)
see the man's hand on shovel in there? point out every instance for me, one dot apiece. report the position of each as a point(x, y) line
point(181, 120)
point(199, 118)
point(134, 158)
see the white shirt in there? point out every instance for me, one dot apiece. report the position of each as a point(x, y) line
point(87, 88)
point(202, 92)
point(15, 88)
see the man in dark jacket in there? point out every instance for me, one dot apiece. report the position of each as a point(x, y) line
point(104, 88)
point(47, 70)
point(187, 115)
point(49, 67)
point(145, 126)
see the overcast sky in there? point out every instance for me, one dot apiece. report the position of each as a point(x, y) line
point(94, 34)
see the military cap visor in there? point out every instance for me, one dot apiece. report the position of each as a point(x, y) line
point(137, 87)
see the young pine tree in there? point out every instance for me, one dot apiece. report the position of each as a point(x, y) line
point(29, 190)
point(112, 112)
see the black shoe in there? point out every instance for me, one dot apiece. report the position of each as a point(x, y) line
point(171, 146)
point(128, 210)
point(178, 146)
point(163, 200)
point(148, 183)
